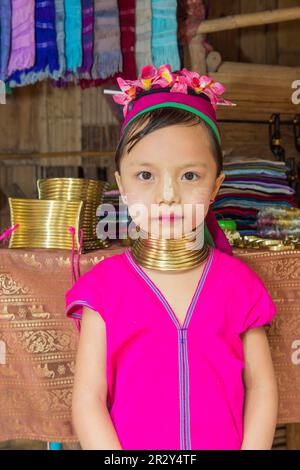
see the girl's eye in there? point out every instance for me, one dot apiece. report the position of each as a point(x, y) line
point(146, 175)
point(189, 176)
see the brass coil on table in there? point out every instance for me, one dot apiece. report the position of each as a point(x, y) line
point(89, 191)
point(44, 223)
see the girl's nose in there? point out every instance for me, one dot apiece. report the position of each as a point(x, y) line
point(168, 191)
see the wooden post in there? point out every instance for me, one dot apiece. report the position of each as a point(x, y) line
point(249, 19)
point(197, 54)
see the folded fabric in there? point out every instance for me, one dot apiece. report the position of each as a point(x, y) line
point(247, 161)
point(250, 174)
point(250, 203)
point(262, 187)
point(256, 178)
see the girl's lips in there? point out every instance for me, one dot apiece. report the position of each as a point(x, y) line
point(170, 217)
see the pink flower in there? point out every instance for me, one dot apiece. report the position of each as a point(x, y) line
point(205, 84)
point(148, 74)
point(166, 77)
point(151, 76)
point(180, 85)
point(129, 93)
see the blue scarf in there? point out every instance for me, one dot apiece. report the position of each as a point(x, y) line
point(164, 34)
point(5, 36)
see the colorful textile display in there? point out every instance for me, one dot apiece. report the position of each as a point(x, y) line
point(87, 42)
point(46, 52)
point(249, 186)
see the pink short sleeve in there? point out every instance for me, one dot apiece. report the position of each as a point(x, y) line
point(262, 309)
point(84, 293)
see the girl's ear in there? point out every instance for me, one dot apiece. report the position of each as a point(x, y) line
point(218, 184)
point(221, 179)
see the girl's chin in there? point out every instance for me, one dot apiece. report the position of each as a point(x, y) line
point(165, 230)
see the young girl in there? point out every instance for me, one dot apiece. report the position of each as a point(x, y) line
point(172, 351)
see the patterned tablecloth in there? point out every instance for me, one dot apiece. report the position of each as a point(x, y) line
point(38, 343)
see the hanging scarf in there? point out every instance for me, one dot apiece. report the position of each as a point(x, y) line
point(60, 37)
point(127, 28)
point(22, 54)
point(46, 54)
point(87, 36)
point(143, 20)
point(107, 49)
point(5, 36)
point(164, 34)
point(73, 25)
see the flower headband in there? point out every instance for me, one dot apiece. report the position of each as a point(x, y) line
point(163, 77)
point(184, 90)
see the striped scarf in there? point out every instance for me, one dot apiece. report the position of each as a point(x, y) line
point(22, 53)
point(127, 28)
point(46, 53)
point(60, 37)
point(164, 34)
point(87, 36)
point(5, 35)
point(73, 25)
point(143, 20)
point(107, 49)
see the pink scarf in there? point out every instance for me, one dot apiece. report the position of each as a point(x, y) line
point(22, 54)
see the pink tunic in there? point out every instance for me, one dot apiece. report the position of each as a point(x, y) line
point(172, 386)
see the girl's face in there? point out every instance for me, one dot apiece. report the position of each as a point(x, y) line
point(169, 171)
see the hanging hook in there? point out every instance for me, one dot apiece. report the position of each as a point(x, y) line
point(275, 137)
point(296, 125)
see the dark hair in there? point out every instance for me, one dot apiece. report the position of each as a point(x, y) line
point(157, 119)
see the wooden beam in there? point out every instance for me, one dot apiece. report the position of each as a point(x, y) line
point(37, 155)
point(249, 19)
point(264, 71)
